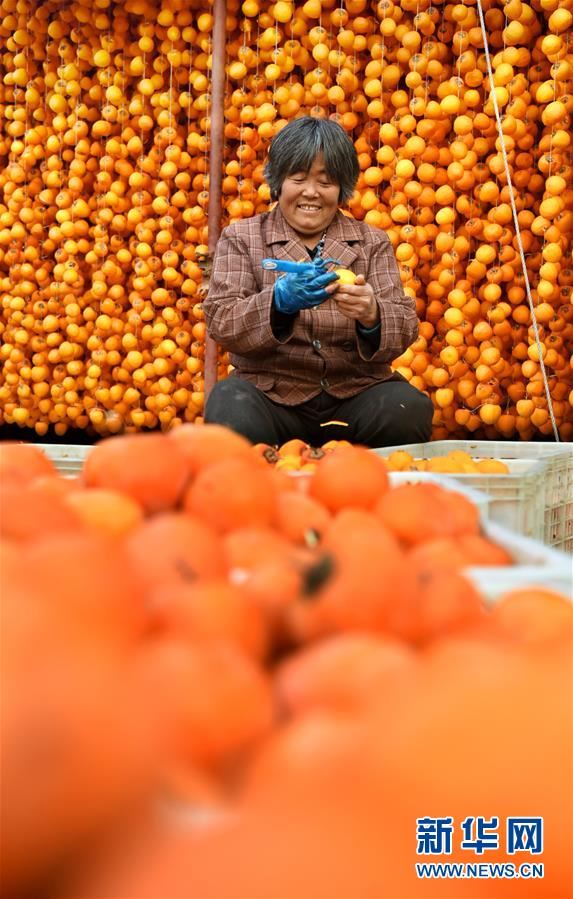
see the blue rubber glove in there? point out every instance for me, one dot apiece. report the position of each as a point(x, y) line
point(302, 291)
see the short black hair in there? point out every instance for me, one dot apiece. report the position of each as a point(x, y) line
point(295, 147)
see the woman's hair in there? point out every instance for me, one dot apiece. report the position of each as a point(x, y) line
point(297, 145)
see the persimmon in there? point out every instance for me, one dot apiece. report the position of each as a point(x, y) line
point(174, 546)
point(179, 862)
point(149, 467)
point(534, 617)
point(288, 463)
point(267, 567)
point(266, 452)
point(22, 462)
point(310, 456)
point(273, 585)
point(360, 573)
point(75, 694)
point(55, 485)
point(209, 727)
point(399, 460)
point(204, 444)
point(485, 674)
point(456, 553)
point(479, 550)
point(302, 519)
point(345, 275)
point(492, 466)
point(29, 513)
point(292, 448)
point(107, 511)
point(446, 464)
point(350, 476)
point(211, 610)
point(52, 570)
point(299, 749)
point(444, 602)
point(415, 512)
point(232, 492)
point(339, 672)
point(326, 775)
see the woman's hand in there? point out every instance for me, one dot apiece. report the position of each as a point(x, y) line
point(356, 301)
point(303, 290)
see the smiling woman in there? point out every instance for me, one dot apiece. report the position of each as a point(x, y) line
point(311, 351)
point(311, 169)
point(309, 201)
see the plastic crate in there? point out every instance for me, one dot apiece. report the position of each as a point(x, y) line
point(535, 498)
point(535, 565)
point(68, 458)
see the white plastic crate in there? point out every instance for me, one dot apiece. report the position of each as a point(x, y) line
point(535, 498)
point(68, 458)
point(535, 565)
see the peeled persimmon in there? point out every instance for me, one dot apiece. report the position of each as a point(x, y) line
point(292, 448)
point(492, 466)
point(345, 275)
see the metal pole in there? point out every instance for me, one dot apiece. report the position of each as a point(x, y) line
point(216, 115)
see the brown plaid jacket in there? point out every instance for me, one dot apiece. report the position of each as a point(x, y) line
point(323, 350)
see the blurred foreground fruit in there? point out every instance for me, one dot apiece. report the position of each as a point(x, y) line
point(264, 705)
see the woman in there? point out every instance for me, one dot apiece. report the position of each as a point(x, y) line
point(312, 355)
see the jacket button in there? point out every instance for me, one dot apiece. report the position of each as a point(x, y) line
point(316, 344)
point(348, 345)
point(324, 383)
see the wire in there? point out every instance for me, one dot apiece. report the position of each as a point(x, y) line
point(516, 222)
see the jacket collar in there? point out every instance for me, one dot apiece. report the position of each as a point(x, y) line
point(342, 235)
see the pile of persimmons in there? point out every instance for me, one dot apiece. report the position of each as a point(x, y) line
point(298, 456)
point(105, 132)
point(222, 681)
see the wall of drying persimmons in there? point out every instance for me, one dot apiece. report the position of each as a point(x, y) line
point(104, 141)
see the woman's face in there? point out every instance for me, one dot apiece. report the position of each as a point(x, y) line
point(309, 201)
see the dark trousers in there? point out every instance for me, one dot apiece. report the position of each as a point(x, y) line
point(390, 413)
